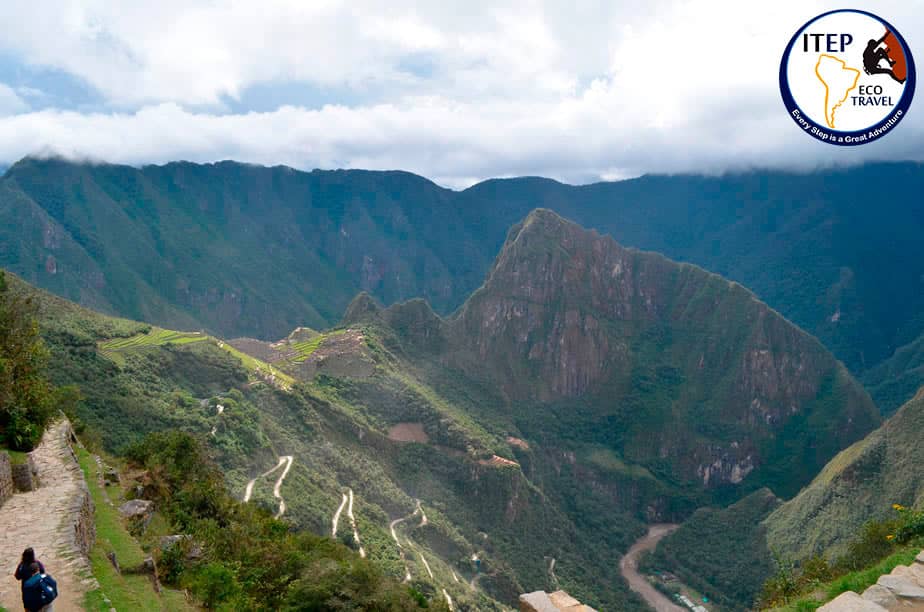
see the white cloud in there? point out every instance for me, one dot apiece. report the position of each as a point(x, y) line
point(576, 92)
point(10, 102)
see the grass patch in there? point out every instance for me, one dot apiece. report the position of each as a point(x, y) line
point(259, 368)
point(17, 457)
point(857, 581)
point(125, 592)
point(608, 460)
point(156, 336)
point(115, 349)
point(305, 348)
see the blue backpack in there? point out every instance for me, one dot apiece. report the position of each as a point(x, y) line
point(39, 591)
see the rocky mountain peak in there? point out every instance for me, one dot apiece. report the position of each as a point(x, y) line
point(570, 317)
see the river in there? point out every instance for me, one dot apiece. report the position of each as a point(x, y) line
point(628, 567)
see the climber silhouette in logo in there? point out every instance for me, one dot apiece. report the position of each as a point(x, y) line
point(875, 52)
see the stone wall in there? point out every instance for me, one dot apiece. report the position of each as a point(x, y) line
point(84, 527)
point(82, 509)
point(25, 475)
point(6, 477)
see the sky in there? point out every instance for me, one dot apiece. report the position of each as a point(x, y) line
point(457, 91)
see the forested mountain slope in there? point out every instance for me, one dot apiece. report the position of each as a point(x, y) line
point(583, 389)
point(243, 250)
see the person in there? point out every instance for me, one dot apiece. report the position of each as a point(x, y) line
point(39, 591)
point(874, 54)
point(23, 570)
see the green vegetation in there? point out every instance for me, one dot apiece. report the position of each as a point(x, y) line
point(880, 547)
point(154, 337)
point(117, 348)
point(123, 591)
point(161, 387)
point(26, 395)
point(250, 560)
point(860, 484)
point(606, 459)
point(654, 410)
point(187, 246)
point(729, 570)
point(898, 378)
point(259, 370)
point(17, 457)
point(305, 348)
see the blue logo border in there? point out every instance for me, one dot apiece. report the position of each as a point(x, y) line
point(854, 138)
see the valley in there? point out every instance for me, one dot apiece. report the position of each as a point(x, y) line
point(472, 307)
point(628, 566)
point(399, 407)
point(277, 248)
point(585, 394)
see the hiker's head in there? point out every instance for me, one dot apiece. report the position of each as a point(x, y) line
point(28, 556)
point(34, 569)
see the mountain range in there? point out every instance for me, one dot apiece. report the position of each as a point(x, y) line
point(508, 396)
point(240, 250)
point(584, 389)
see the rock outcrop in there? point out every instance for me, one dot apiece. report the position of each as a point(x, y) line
point(559, 601)
point(694, 372)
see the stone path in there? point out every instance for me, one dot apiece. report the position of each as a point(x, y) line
point(49, 520)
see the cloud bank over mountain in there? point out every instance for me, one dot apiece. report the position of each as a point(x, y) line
point(457, 92)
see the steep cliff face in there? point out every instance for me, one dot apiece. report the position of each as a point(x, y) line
point(678, 368)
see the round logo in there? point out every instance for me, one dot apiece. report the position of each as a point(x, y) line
point(847, 77)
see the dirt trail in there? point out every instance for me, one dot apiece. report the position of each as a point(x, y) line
point(362, 552)
point(394, 536)
point(278, 485)
point(473, 583)
point(285, 460)
point(552, 577)
point(44, 519)
point(628, 567)
point(215, 427)
point(426, 565)
point(248, 491)
point(336, 520)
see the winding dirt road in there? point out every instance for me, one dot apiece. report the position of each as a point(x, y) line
point(628, 567)
point(394, 536)
point(278, 485)
point(362, 551)
point(336, 520)
point(285, 460)
point(248, 491)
